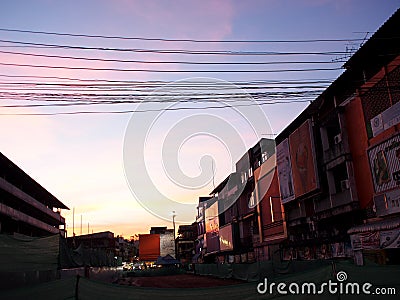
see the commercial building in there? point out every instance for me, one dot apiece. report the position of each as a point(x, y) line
point(159, 242)
point(232, 215)
point(25, 206)
point(335, 190)
point(337, 166)
point(185, 243)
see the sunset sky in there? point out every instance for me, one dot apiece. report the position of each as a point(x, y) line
point(79, 157)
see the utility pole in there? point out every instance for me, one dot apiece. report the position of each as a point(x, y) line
point(73, 221)
point(173, 223)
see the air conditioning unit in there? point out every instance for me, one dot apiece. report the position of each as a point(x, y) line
point(337, 139)
point(344, 184)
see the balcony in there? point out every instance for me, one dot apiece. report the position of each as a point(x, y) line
point(333, 201)
point(294, 213)
point(334, 151)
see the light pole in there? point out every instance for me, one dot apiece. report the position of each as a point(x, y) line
point(173, 223)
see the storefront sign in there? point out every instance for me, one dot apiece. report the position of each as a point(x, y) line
point(386, 119)
point(285, 171)
point(385, 164)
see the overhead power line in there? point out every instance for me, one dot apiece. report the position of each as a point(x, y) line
point(176, 51)
point(149, 110)
point(179, 40)
point(166, 62)
point(151, 83)
point(167, 70)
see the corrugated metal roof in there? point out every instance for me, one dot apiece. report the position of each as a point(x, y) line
point(376, 226)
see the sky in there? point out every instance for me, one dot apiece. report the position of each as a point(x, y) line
point(115, 168)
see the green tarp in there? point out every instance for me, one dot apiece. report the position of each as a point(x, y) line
point(19, 253)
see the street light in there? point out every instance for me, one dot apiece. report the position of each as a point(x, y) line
point(173, 223)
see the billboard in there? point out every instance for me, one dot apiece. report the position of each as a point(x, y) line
point(390, 239)
point(211, 218)
point(386, 119)
point(225, 238)
point(285, 176)
point(149, 247)
point(167, 244)
point(387, 203)
point(212, 228)
point(385, 164)
point(302, 156)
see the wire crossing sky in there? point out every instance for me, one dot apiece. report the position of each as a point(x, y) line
point(73, 73)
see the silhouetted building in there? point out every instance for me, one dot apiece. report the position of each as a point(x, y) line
point(25, 206)
point(185, 242)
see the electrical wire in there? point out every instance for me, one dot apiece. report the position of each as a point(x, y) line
point(176, 51)
point(146, 110)
point(167, 70)
point(166, 62)
point(180, 40)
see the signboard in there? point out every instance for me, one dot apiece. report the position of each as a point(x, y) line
point(149, 247)
point(390, 238)
point(212, 228)
point(385, 164)
point(167, 244)
point(211, 218)
point(365, 240)
point(225, 238)
point(303, 161)
point(387, 203)
point(284, 171)
point(212, 241)
point(386, 119)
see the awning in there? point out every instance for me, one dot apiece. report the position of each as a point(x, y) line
point(376, 226)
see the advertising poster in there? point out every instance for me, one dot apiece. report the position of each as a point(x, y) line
point(284, 171)
point(387, 203)
point(390, 239)
point(212, 228)
point(225, 238)
point(385, 164)
point(365, 240)
point(386, 119)
point(167, 244)
point(211, 218)
point(303, 159)
point(149, 246)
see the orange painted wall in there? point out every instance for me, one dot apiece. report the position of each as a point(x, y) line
point(358, 142)
point(265, 209)
point(149, 246)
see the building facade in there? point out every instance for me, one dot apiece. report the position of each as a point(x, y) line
point(25, 206)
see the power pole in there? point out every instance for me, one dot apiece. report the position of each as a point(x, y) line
point(173, 223)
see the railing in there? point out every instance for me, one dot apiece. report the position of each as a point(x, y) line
point(334, 200)
point(295, 213)
point(334, 151)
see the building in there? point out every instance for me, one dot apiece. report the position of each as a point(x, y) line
point(126, 250)
point(159, 242)
point(335, 191)
point(333, 156)
point(185, 243)
point(200, 246)
point(98, 240)
point(25, 206)
point(270, 214)
point(231, 216)
point(376, 102)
